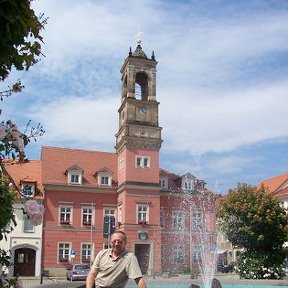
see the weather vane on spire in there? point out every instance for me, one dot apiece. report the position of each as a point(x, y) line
point(138, 38)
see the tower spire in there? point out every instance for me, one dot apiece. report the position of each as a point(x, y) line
point(138, 38)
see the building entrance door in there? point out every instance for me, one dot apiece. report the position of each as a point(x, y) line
point(142, 252)
point(24, 262)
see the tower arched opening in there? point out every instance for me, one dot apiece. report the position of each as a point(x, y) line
point(141, 84)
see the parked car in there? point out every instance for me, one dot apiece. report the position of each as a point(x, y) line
point(77, 272)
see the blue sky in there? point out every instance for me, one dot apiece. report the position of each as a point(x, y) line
point(221, 82)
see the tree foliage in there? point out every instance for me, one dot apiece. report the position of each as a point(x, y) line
point(6, 207)
point(252, 218)
point(20, 39)
point(20, 48)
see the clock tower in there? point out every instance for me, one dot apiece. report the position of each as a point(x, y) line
point(138, 142)
point(138, 139)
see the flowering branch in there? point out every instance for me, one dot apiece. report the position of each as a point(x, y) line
point(34, 211)
point(12, 141)
point(17, 87)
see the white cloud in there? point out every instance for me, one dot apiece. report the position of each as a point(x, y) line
point(221, 82)
point(218, 123)
point(84, 121)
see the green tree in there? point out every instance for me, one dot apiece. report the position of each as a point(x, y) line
point(20, 48)
point(6, 207)
point(252, 219)
point(20, 39)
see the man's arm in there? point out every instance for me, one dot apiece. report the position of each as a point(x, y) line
point(90, 280)
point(140, 282)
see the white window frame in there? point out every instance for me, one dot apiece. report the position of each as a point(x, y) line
point(109, 212)
point(63, 251)
point(104, 180)
point(178, 254)
point(86, 252)
point(142, 213)
point(188, 182)
point(106, 176)
point(75, 177)
point(188, 185)
point(197, 254)
point(65, 215)
point(197, 221)
point(28, 227)
point(87, 213)
point(178, 220)
point(142, 162)
point(163, 182)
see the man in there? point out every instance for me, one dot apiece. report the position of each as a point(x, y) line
point(113, 267)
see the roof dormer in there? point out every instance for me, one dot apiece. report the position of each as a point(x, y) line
point(163, 179)
point(28, 188)
point(74, 175)
point(188, 182)
point(104, 177)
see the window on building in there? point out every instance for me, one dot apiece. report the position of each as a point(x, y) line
point(188, 182)
point(163, 183)
point(109, 212)
point(20, 257)
point(120, 214)
point(142, 213)
point(196, 254)
point(65, 215)
point(121, 164)
point(142, 162)
point(188, 185)
point(104, 179)
point(75, 177)
point(63, 252)
point(87, 216)
point(86, 252)
point(28, 190)
point(197, 221)
point(178, 220)
point(109, 222)
point(146, 162)
point(28, 226)
point(178, 254)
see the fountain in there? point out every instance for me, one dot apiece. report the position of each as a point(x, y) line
point(197, 235)
point(202, 206)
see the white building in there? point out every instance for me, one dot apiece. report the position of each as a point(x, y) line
point(25, 240)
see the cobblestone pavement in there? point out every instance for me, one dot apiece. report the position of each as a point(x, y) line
point(225, 279)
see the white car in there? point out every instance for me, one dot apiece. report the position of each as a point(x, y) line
point(77, 272)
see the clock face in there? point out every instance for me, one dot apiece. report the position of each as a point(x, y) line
point(142, 110)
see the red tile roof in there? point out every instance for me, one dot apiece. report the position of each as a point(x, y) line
point(29, 171)
point(57, 160)
point(275, 183)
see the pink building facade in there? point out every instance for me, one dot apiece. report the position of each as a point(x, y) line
point(89, 194)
